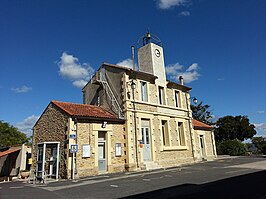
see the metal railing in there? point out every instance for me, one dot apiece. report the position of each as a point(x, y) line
point(102, 78)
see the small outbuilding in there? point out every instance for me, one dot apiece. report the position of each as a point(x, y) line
point(71, 139)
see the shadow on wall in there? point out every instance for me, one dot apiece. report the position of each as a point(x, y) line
point(7, 163)
point(246, 186)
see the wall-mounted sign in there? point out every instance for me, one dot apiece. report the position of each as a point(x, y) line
point(72, 136)
point(118, 149)
point(86, 151)
point(73, 148)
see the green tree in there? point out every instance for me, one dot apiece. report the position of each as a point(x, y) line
point(9, 135)
point(202, 113)
point(260, 144)
point(230, 127)
point(231, 147)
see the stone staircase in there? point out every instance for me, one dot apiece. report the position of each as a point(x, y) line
point(151, 166)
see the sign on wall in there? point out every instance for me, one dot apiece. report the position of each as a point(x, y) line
point(86, 150)
point(118, 149)
point(73, 148)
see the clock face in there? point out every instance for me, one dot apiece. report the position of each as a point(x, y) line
point(157, 53)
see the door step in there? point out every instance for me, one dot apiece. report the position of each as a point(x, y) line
point(151, 166)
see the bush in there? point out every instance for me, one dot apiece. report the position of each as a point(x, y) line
point(231, 147)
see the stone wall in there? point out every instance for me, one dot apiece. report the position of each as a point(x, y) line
point(210, 149)
point(88, 134)
point(172, 155)
point(51, 126)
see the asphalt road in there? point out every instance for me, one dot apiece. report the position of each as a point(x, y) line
point(240, 177)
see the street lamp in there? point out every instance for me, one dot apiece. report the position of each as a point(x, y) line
point(133, 87)
point(194, 99)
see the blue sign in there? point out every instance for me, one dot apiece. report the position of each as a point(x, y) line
point(73, 148)
point(72, 136)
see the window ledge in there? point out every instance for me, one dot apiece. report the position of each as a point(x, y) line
point(174, 148)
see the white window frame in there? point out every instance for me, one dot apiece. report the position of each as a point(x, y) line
point(177, 98)
point(181, 134)
point(143, 97)
point(166, 141)
point(161, 95)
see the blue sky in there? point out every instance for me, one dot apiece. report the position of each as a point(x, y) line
point(48, 49)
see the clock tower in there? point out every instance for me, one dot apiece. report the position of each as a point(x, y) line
point(151, 58)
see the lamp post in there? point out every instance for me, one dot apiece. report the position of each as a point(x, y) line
point(133, 87)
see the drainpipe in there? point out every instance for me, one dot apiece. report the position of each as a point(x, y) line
point(190, 130)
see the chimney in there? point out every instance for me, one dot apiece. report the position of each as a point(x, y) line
point(133, 57)
point(181, 80)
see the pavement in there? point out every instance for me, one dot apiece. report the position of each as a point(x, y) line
point(227, 177)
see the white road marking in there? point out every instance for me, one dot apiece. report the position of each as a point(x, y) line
point(146, 179)
point(112, 185)
point(16, 187)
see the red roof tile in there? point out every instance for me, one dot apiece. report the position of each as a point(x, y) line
point(9, 151)
point(84, 110)
point(200, 125)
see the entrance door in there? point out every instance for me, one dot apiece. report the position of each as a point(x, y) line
point(101, 152)
point(145, 131)
point(202, 148)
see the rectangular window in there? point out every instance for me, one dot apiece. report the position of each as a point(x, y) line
point(145, 131)
point(165, 133)
point(177, 101)
point(161, 96)
point(181, 134)
point(144, 91)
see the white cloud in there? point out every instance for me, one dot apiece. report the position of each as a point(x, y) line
point(173, 68)
point(126, 63)
point(22, 89)
point(260, 112)
point(166, 4)
point(261, 126)
point(220, 79)
point(26, 125)
point(261, 129)
point(184, 13)
point(190, 74)
point(193, 67)
point(70, 68)
point(80, 83)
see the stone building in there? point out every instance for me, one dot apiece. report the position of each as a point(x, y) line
point(131, 119)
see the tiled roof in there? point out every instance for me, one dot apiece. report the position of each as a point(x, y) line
point(9, 151)
point(84, 110)
point(200, 125)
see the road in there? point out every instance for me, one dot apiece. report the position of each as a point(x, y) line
point(237, 177)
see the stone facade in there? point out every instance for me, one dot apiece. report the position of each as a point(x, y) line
point(56, 125)
point(88, 134)
point(182, 141)
point(52, 126)
point(155, 125)
point(208, 152)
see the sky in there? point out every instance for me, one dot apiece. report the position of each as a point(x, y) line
point(49, 50)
